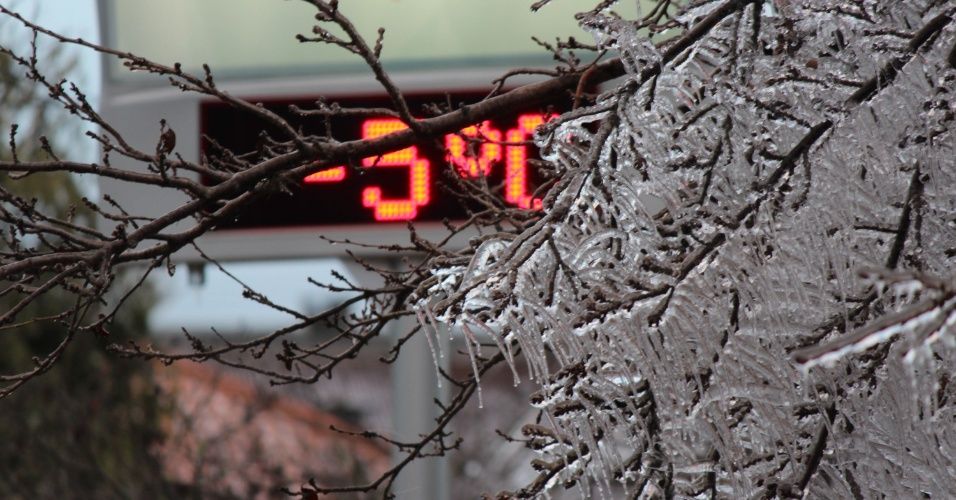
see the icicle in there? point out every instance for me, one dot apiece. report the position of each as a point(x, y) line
point(509, 357)
point(431, 345)
point(469, 338)
point(435, 323)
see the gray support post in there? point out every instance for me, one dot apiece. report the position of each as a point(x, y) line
point(414, 384)
point(414, 388)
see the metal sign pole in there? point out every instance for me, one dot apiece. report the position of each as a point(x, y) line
point(415, 388)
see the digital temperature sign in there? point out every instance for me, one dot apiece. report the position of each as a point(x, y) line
point(400, 186)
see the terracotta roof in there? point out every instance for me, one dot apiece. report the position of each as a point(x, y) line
point(234, 437)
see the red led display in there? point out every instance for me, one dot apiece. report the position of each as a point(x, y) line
point(394, 187)
point(469, 166)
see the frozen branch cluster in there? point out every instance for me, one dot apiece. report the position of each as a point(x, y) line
point(702, 302)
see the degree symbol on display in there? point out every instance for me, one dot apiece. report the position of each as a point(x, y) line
point(489, 154)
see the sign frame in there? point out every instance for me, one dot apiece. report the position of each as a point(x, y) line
point(135, 106)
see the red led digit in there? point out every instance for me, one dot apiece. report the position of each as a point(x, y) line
point(516, 162)
point(334, 174)
point(419, 175)
point(489, 153)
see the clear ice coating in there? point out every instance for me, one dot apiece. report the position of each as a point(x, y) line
point(737, 288)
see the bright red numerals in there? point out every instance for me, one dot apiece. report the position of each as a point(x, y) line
point(334, 174)
point(419, 187)
point(516, 164)
point(469, 166)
